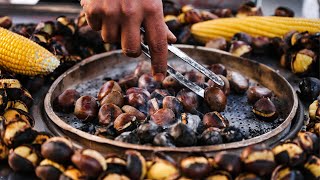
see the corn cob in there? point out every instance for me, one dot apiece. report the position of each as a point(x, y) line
point(269, 26)
point(23, 56)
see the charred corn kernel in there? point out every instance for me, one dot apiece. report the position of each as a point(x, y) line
point(269, 26)
point(23, 56)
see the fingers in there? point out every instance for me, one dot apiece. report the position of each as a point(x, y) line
point(110, 32)
point(156, 35)
point(170, 36)
point(132, 17)
point(93, 14)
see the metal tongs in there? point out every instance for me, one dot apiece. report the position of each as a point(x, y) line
point(178, 76)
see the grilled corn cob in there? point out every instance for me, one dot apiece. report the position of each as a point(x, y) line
point(268, 26)
point(23, 56)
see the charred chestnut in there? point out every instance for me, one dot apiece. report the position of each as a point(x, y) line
point(153, 106)
point(134, 112)
point(312, 168)
point(215, 98)
point(172, 103)
point(215, 119)
point(163, 139)
point(111, 176)
point(188, 99)
point(228, 162)
point(108, 113)
point(283, 12)
point(90, 162)
point(12, 115)
point(258, 159)
point(264, 109)
point(211, 136)
point(302, 62)
point(260, 44)
point(282, 173)
point(172, 22)
point(238, 82)
point(146, 81)
point(108, 87)
point(219, 175)
point(86, 108)
point(309, 88)
point(114, 97)
point(40, 139)
point(148, 131)
point(136, 165)
point(116, 164)
point(57, 149)
point(239, 48)
point(23, 159)
point(163, 117)
point(72, 173)
point(17, 133)
point(315, 128)
point(3, 99)
point(247, 176)
point(195, 167)
point(192, 121)
point(193, 16)
point(162, 169)
point(249, 9)
point(128, 137)
point(289, 154)
point(232, 134)
point(241, 36)
point(125, 122)
point(49, 170)
point(307, 141)
point(222, 12)
point(207, 15)
point(255, 93)
point(4, 151)
point(314, 111)
point(182, 135)
point(217, 43)
point(5, 22)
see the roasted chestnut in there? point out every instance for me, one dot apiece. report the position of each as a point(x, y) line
point(134, 112)
point(153, 106)
point(264, 109)
point(23, 158)
point(312, 168)
point(238, 82)
point(3, 99)
point(108, 113)
point(5, 22)
point(192, 16)
point(241, 36)
point(12, 115)
point(108, 87)
point(315, 128)
point(260, 44)
point(137, 100)
point(188, 99)
point(128, 137)
point(195, 76)
point(211, 136)
point(143, 67)
point(4, 151)
point(71, 173)
point(255, 93)
point(219, 69)
point(116, 164)
point(171, 83)
point(249, 9)
point(57, 149)
point(228, 162)
point(240, 48)
point(226, 86)
point(215, 119)
point(314, 111)
point(163, 139)
point(17, 133)
point(111, 176)
point(86, 108)
point(195, 166)
point(141, 91)
point(207, 15)
point(172, 103)
point(284, 12)
point(159, 94)
point(148, 131)
point(309, 88)
point(114, 97)
point(182, 135)
point(172, 22)
point(232, 134)
point(247, 176)
point(49, 170)
point(222, 12)
point(128, 82)
point(90, 162)
point(163, 117)
point(289, 154)
point(125, 122)
point(136, 165)
point(215, 98)
point(308, 141)
point(217, 43)
point(302, 62)
point(146, 81)
point(219, 175)
point(192, 121)
point(162, 169)
point(258, 159)
point(286, 173)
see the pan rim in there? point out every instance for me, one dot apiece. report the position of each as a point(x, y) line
point(227, 146)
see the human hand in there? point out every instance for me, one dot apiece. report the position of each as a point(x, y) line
point(122, 19)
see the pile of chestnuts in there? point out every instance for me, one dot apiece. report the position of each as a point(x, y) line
point(139, 110)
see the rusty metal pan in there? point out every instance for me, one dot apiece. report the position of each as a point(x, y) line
point(113, 64)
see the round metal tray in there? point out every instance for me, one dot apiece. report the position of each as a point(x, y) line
point(116, 63)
